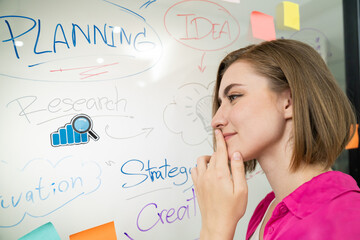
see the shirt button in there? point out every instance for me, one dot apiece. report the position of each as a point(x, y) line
point(283, 209)
point(271, 230)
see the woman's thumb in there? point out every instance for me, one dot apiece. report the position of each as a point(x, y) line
point(238, 172)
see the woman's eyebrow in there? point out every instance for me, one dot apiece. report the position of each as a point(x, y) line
point(229, 87)
point(227, 90)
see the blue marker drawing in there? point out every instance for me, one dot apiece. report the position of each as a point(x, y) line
point(147, 3)
point(126, 10)
point(141, 41)
point(76, 132)
point(48, 191)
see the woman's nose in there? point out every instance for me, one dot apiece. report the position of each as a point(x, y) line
point(219, 120)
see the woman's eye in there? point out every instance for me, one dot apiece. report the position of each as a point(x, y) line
point(233, 97)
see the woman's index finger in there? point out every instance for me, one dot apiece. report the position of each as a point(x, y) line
point(221, 150)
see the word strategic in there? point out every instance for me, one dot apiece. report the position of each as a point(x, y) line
point(140, 173)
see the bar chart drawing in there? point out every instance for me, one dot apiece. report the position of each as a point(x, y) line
point(78, 131)
point(68, 136)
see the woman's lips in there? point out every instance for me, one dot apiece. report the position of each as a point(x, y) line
point(228, 135)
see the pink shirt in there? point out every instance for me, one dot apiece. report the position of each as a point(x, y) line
point(326, 207)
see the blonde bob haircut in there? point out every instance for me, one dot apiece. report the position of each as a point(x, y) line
point(322, 114)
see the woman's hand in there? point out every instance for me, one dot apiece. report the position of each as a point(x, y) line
point(222, 196)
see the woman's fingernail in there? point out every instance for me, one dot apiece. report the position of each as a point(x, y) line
point(217, 131)
point(236, 156)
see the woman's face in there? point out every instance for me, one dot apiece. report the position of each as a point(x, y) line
point(251, 116)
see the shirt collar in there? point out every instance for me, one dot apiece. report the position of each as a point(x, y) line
point(319, 190)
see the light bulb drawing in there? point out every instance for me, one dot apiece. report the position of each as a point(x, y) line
point(203, 111)
point(190, 114)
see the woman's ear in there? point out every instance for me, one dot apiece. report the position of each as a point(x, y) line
point(288, 104)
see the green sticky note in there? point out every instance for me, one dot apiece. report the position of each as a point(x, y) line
point(46, 231)
point(288, 16)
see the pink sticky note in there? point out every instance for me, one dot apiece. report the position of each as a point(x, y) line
point(262, 26)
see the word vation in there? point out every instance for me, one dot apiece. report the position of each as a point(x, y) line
point(108, 35)
point(42, 192)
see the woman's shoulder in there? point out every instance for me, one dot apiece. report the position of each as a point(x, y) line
point(344, 197)
point(347, 202)
point(338, 218)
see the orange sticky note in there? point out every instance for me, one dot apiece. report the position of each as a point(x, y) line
point(262, 26)
point(105, 231)
point(354, 142)
point(288, 16)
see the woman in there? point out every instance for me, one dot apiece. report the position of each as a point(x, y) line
point(278, 103)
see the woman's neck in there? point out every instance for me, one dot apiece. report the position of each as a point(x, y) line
point(276, 162)
point(283, 181)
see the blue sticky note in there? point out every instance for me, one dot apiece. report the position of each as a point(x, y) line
point(46, 231)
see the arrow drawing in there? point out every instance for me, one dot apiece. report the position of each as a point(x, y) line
point(201, 67)
point(143, 131)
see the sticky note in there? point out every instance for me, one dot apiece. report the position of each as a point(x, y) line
point(354, 142)
point(46, 231)
point(105, 231)
point(262, 26)
point(288, 16)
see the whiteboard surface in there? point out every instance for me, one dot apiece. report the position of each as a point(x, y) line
point(144, 72)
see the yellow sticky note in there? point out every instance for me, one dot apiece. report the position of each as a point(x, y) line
point(105, 231)
point(262, 26)
point(288, 16)
point(354, 142)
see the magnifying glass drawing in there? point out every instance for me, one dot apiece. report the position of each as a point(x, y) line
point(82, 123)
